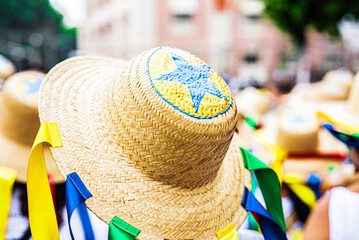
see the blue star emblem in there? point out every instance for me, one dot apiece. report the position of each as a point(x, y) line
point(195, 78)
point(33, 87)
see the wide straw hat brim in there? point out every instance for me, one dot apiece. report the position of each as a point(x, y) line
point(72, 96)
point(340, 112)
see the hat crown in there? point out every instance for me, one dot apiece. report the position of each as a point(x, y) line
point(298, 129)
point(18, 110)
point(178, 120)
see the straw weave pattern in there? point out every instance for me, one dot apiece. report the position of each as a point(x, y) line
point(164, 172)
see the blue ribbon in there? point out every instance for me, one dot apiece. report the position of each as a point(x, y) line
point(349, 140)
point(314, 182)
point(270, 228)
point(76, 194)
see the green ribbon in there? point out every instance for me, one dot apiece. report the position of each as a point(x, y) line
point(251, 122)
point(120, 230)
point(269, 185)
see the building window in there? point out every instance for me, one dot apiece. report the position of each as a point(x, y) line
point(251, 58)
point(253, 17)
point(183, 17)
point(183, 12)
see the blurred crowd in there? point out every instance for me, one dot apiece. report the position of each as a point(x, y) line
point(308, 135)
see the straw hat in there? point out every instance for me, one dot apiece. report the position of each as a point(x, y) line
point(253, 102)
point(345, 112)
point(310, 165)
point(6, 67)
point(334, 86)
point(19, 123)
point(296, 130)
point(152, 139)
point(293, 130)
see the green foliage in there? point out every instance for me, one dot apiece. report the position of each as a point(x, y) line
point(22, 20)
point(296, 16)
point(26, 13)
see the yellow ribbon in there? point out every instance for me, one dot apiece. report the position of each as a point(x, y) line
point(42, 214)
point(299, 187)
point(278, 153)
point(298, 235)
point(7, 180)
point(228, 233)
point(346, 127)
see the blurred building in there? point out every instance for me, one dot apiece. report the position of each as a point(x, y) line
point(232, 38)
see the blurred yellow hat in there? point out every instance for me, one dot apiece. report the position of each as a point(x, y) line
point(19, 123)
point(252, 102)
point(294, 133)
point(335, 85)
point(344, 114)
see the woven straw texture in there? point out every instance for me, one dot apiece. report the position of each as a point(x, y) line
point(167, 169)
point(19, 123)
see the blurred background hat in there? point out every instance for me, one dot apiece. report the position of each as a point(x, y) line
point(6, 67)
point(152, 139)
point(307, 147)
point(297, 131)
point(344, 114)
point(335, 85)
point(19, 123)
point(253, 103)
point(341, 119)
